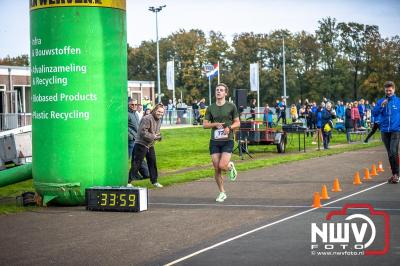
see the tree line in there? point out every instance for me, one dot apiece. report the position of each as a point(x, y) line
point(339, 61)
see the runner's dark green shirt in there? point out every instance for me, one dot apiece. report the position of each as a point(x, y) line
point(221, 114)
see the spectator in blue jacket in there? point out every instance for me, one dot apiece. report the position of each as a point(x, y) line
point(388, 109)
point(340, 110)
point(362, 111)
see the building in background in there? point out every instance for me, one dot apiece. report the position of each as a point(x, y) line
point(15, 89)
point(15, 97)
point(138, 90)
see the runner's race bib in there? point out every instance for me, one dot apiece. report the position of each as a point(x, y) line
point(219, 134)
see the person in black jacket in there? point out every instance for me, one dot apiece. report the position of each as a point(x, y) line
point(283, 110)
point(348, 122)
point(196, 112)
point(253, 109)
point(309, 116)
point(277, 111)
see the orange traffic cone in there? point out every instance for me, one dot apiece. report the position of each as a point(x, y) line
point(336, 185)
point(380, 167)
point(373, 170)
point(357, 180)
point(317, 200)
point(324, 193)
point(366, 174)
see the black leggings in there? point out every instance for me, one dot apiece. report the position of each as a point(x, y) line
point(374, 129)
point(140, 151)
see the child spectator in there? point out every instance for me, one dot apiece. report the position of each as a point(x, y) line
point(355, 115)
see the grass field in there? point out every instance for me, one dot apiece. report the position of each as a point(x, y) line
point(172, 157)
point(188, 147)
point(183, 156)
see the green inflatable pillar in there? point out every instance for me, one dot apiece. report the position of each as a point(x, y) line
point(79, 97)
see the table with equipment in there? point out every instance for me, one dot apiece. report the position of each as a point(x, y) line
point(300, 130)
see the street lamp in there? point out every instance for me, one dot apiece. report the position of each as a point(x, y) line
point(156, 10)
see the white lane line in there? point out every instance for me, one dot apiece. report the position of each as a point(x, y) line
point(226, 205)
point(255, 206)
point(265, 226)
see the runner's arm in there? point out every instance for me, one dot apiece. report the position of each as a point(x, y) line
point(236, 124)
point(207, 124)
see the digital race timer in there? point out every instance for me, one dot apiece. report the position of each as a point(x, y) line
point(116, 199)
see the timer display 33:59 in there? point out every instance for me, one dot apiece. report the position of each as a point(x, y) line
point(116, 199)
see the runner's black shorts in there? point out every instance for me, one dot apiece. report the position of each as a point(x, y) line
point(220, 146)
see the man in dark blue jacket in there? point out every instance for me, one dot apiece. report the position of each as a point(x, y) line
point(389, 110)
point(326, 124)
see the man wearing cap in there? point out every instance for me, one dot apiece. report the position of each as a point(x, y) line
point(388, 109)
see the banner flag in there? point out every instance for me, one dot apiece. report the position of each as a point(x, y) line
point(170, 75)
point(254, 77)
point(213, 73)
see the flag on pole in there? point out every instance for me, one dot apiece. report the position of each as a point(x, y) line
point(254, 77)
point(213, 73)
point(170, 75)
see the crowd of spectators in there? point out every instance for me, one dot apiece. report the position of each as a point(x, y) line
point(343, 116)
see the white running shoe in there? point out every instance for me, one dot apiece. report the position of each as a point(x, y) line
point(221, 197)
point(232, 171)
point(158, 185)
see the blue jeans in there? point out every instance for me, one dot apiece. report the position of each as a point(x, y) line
point(169, 113)
point(348, 130)
point(131, 144)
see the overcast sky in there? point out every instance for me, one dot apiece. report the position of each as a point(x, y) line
point(227, 16)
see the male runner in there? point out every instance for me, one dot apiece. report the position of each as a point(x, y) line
point(222, 117)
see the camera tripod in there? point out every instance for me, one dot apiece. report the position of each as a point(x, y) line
point(242, 146)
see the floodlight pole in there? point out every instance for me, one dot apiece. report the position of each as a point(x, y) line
point(284, 70)
point(209, 91)
point(156, 10)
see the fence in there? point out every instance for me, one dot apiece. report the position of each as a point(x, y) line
point(176, 117)
point(14, 120)
point(187, 116)
point(179, 117)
